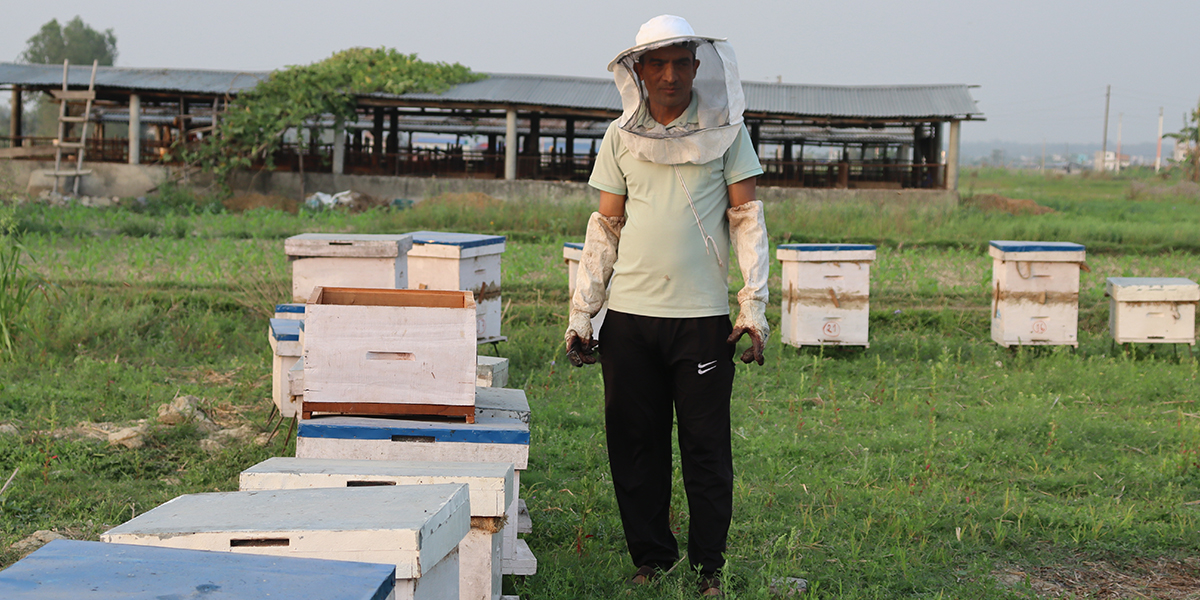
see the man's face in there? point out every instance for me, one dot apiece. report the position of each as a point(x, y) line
point(668, 74)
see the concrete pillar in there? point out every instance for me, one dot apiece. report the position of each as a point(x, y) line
point(339, 147)
point(510, 145)
point(952, 156)
point(15, 117)
point(135, 129)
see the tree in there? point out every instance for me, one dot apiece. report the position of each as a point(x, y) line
point(1189, 136)
point(76, 42)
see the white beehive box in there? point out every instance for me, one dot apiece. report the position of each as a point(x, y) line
point(1035, 292)
point(491, 491)
point(293, 311)
point(572, 254)
point(826, 294)
point(347, 260)
point(415, 528)
point(1152, 310)
point(70, 569)
point(489, 439)
point(491, 371)
point(502, 403)
point(389, 352)
point(461, 261)
point(284, 335)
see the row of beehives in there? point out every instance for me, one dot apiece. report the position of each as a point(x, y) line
point(1035, 296)
point(313, 528)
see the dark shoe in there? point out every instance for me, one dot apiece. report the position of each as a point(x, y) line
point(645, 574)
point(710, 586)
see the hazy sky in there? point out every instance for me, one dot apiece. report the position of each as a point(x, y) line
point(1042, 66)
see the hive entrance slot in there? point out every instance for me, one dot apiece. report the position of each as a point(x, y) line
point(259, 542)
point(424, 439)
point(368, 483)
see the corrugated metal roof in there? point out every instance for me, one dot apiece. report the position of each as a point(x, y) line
point(128, 78)
point(587, 93)
point(884, 101)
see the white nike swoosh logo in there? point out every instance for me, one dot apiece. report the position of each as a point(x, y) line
point(702, 368)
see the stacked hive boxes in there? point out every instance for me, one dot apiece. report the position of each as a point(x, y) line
point(96, 571)
point(826, 293)
point(1035, 292)
point(415, 528)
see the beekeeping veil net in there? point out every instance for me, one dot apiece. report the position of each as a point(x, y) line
point(717, 89)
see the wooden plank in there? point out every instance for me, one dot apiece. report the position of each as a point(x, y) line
point(523, 561)
point(27, 151)
point(386, 409)
point(73, 94)
point(393, 298)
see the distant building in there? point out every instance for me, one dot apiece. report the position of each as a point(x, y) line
point(1109, 160)
point(1180, 153)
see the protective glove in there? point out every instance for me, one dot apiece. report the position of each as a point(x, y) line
point(591, 284)
point(748, 233)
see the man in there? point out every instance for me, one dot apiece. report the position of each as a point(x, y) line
point(676, 179)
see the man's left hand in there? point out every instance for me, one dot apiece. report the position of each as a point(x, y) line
point(752, 320)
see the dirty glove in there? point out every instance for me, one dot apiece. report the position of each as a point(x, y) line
point(748, 233)
point(591, 284)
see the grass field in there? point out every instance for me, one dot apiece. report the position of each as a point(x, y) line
point(934, 464)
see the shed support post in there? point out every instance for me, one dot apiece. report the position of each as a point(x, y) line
point(393, 140)
point(510, 145)
point(339, 147)
point(15, 117)
point(952, 156)
point(377, 136)
point(135, 129)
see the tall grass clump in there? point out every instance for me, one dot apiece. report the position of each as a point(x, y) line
point(17, 285)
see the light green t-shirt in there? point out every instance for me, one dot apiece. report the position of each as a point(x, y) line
point(662, 268)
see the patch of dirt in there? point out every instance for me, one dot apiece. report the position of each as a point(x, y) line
point(475, 200)
point(1163, 578)
point(1012, 206)
point(243, 202)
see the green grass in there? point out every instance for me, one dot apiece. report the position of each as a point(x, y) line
point(924, 466)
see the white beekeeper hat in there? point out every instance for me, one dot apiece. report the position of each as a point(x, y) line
point(720, 100)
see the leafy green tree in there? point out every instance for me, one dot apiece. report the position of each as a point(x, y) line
point(1189, 136)
point(255, 125)
point(76, 42)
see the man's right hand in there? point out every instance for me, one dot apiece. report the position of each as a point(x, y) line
point(581, 348)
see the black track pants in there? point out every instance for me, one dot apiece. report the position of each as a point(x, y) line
point(655, 370)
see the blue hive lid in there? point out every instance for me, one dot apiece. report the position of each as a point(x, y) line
point(99, 571)
point(286, 330)
point(290, 308)
point(826, 247)
point(1009, 246)
point(462, 240)
point(495, 430)
point(574, 245)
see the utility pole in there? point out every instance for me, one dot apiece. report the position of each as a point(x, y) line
point(1104, 143)
point(1158, 155)
point(1120, 117)
point(1043, 154)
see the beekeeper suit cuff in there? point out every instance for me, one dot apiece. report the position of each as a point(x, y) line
point(748, 233)
point(595, 269)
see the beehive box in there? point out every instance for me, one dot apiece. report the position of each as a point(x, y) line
point(826, 294)
point(491, 371)
point(416, 528)
point(1152, 310)
point(1035, 292)
point(491, 493)
point(461, 261)
point(572, 254)
point(70, 569)
point(389, 352)
point(284, 336)
point(502, 403)
point(347, 260)
point(489, 439)
point(294, 310)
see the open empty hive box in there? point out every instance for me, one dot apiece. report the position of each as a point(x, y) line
point(415, 528)
point(493, 438)
point(1152, 310)
point(69, 569)
point(491, 490)
point(461, 261)
point(347, 260)
point(1035, 292)
point(826, 294)
point(389, 352)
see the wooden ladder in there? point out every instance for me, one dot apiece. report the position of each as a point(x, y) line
point(65, 98)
